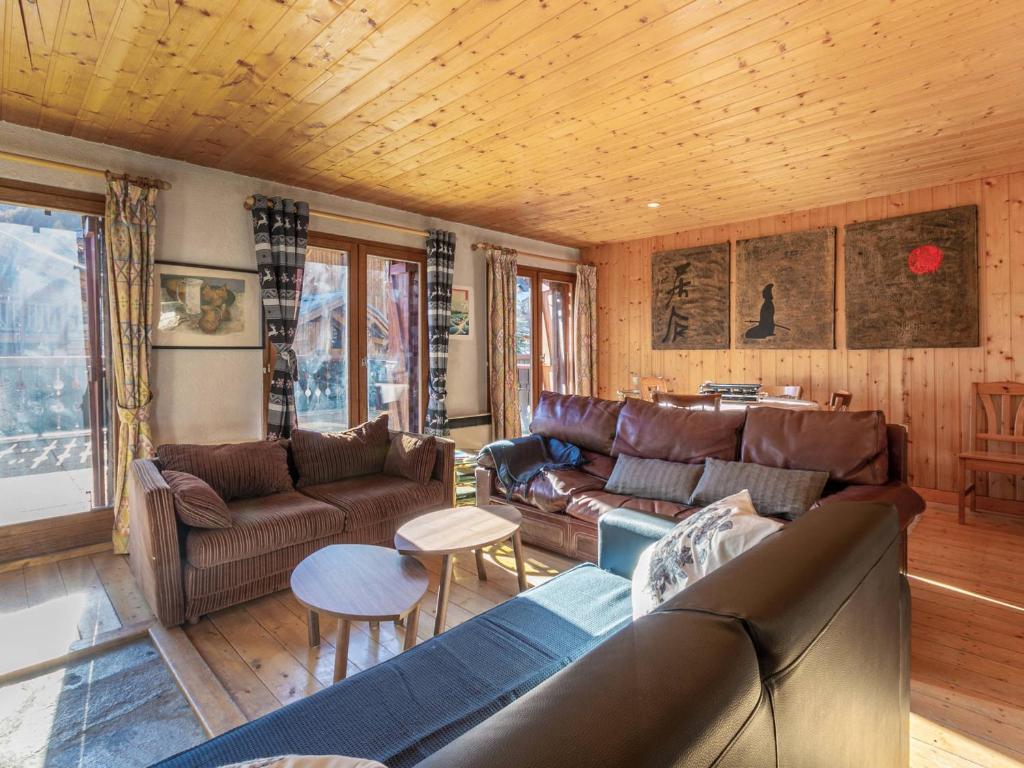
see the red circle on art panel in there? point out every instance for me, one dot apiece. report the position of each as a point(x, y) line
point(925, 259)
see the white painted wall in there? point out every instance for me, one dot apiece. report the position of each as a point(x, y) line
point(216, 395)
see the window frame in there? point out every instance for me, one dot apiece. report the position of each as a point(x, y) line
point(34, 538)
point(358, 251)
point(537, 275)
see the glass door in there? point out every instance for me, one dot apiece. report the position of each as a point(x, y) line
point(393, 336)
point(54, 415)
point(556, 335)
point(524, 350)
point(323, 393)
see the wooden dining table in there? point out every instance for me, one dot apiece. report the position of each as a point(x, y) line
point(772, 402)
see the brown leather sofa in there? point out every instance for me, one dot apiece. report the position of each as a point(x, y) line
point(187, 572)
point(866, 460)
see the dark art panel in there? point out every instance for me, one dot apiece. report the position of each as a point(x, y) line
point(690, 298)
point(785, 291)
point(912, 281)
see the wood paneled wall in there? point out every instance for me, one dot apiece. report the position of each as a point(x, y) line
point(926, 389)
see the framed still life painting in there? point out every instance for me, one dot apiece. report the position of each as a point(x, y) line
point(461, 325)
point(206, 308)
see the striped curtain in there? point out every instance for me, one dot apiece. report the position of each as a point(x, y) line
point(584, 310)
point(130, 228)
point(279, 229)
point(501, 330)
point(440, 270)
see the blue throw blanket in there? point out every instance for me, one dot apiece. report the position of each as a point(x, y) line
point(519, 460)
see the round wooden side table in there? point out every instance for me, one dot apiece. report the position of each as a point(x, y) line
point(359, 582)
point(461, 529)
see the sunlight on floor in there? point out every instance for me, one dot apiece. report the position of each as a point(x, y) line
point(934, 746)
point(966, 593)
point(41, 632)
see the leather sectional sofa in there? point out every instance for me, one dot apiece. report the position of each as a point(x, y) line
point(277, 520)
point(793, 654)
point(866, 460)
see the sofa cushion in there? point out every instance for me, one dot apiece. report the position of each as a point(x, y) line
point(852, 446)
point(195, 502)
point(676, 434)
point(587, 422)
point(786, 493)
point(591, 506)
point(411, 457)
point(654, 479)
point(326, 457)
point(262, 525)
point(551, 489)
point(379, 500)
point(402, 710)
point(598, 464)
point(233, 470)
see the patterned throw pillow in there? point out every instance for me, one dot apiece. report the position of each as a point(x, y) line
point(325, 457)
point(411, 457)
point(776, 492)
point(195, 502)
point(654, 479)
point(706, 540)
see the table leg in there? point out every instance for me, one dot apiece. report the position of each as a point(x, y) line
point(314, 629)
point(481, 572)
point(341, 650)
point(442, 594)
point(412, 625)
point(517, 547)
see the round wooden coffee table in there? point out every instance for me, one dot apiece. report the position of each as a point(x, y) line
point(461, 529)
point(359, 582)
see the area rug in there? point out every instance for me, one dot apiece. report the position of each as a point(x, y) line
point(119, 708)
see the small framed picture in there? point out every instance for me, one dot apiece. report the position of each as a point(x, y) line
point(461, 326)
point(206, 308)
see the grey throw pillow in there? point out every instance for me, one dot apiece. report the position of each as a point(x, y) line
point(654, 479)
point(775, 492)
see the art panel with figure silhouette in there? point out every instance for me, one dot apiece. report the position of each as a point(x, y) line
point(690, 298)
point(912, 281)
point(785, 290)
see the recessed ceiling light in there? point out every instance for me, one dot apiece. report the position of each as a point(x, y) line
point(654, 204)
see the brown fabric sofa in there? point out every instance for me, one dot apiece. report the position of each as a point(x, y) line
point(866, 460)
point(187, 572)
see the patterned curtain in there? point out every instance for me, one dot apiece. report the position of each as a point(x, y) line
point(130, 224)
point(440, 270)
point(501, 329)
point(584, 312)
point(279, 230)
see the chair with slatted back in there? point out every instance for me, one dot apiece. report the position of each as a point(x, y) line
point(651, 384)
point(783, 390)
point(996, 419)
point(840, 400)
point(708, 402)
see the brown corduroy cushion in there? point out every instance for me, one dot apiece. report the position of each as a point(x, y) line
point(196, 503)
point(326, 457)
point(411, 457)
point(233, 470)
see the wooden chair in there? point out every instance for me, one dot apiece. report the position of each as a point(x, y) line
point(651, 384)
point(1000, 419)
point(840, 400)
point(709, 402)
point(783, 390)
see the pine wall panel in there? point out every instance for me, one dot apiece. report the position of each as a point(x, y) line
point(926, 389)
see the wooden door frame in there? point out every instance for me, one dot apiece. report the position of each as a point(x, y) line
point(537, 275)
point(33, 538)
point(358, 250)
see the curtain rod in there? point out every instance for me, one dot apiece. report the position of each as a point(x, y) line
point(43, 163)
point(404, 230)
point(478, 246)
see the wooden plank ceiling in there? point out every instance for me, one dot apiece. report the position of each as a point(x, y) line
point(557, 119)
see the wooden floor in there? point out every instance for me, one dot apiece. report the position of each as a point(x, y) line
point(967, 639)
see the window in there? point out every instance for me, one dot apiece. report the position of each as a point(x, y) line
point(359, 336)
point(54, 414)
point(543, 336)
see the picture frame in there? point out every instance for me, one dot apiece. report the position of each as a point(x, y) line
point(196, 306)
point(462, 324)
